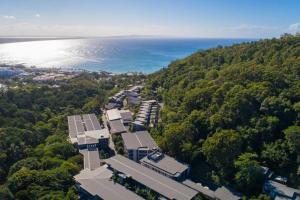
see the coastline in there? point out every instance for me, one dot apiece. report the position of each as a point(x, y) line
point(6, 40)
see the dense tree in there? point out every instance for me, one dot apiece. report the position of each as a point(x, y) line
point(249, 177)
point(222, 148)
point(252, 89)
point(36, 159)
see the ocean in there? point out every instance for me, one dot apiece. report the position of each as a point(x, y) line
point(117, 55)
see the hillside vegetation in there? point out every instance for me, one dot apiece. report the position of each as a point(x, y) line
point(229, 110)
point(36, 160)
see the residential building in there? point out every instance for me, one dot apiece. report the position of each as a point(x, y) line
point(213, 193)
point(117, 127)
point(118, 119)
point(126, 116)
point(203, 190)
point(226, 193)
point(280, 191)
point(165, 165)
point(98, 184)
point(147, 115)
point(138, 144)
point(91, 160)
point(86, 132)
point(167, 188)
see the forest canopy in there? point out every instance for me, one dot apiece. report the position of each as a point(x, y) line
point(36, 159)
point(229, 110)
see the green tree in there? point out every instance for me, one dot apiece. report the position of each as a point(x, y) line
point(222, 148)
point(249, 177)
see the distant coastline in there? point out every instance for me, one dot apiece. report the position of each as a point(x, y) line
point(4, 40)
point(112, 54)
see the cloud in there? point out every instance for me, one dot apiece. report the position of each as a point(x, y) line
point(37, 15)
point(9, 17)
point(295, 27)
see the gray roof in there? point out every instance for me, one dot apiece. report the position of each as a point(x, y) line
point(91, 122)
point(111, 105)
point(202, 189)
point(151, 179)
point(98, 183)
point(126, 116)
point(75, 126)
point(166, 164)
point(225, 193)
point(138, 139)
point(80, 126)
point(113, 114)
point(91, 159)
point(116, 126)
point(281, 189)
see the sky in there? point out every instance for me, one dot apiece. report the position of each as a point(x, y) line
point(167, 18)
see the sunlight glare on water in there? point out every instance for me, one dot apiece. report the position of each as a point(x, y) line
point(108, 54)
point(50, 53)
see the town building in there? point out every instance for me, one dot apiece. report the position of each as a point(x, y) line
point(280, 191)
point(147, 115)
point(118, 119)
point(86, 132)
point(129, 97)
point(167, 188)
point(165, 165)
point(138, 144)
point(98, 184)
point(226, 193)
point(213, 192)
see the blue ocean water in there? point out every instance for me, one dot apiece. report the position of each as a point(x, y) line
point(116, 55)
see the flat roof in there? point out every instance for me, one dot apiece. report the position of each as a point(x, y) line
point(116, 126)
point(91, 159)
point(165, 163)
point(98, 183)
point(98, 134)
point(113, 114)
point(138, 139)
point(151, 179)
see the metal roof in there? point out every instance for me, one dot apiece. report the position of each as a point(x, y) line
point(225, 193)
point(75, 126)
point(151, 179)
point(91, 159)
point(126, 116)
point(91, 122)
point(200, 188)
point(138, 140)
point(98, 183)
point(116, 126)
point(85, 129)
point(113, 114)
point(165, 163)
point(281, 189)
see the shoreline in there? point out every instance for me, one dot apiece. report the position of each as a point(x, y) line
point(66, 70)
point(8, 40)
